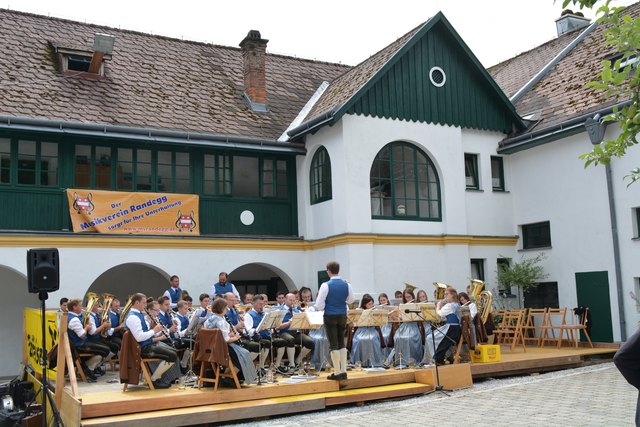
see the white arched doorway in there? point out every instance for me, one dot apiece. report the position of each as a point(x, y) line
point(13, 285)
point(261, 278)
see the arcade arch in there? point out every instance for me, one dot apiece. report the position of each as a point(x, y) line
point(13, 285)
point(126, 279)
point(261, 278)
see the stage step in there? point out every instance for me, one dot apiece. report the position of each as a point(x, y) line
point(259, 408)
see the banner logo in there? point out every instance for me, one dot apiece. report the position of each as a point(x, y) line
point(83, 204)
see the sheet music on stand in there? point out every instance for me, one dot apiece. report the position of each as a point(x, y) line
point(271, 320)
point(353, 315)
point(307, 320)
point(427, 311)
point(372, 318)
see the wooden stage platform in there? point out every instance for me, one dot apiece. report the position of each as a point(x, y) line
point(105, 404)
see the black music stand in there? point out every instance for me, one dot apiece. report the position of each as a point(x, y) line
point(439, 387)
point(270, 322)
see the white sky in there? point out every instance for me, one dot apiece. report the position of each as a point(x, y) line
point(346, 31)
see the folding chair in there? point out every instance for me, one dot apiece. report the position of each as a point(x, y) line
point(129, 344)
point(510, 330)
point(211, 348)
point(578, 323)
point(535, 325)
point(466, 337)
point(555, 320)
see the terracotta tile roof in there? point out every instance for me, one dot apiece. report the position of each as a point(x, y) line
point(561, 94)
point(152, 81)
point(348, 84)
point(514, 73)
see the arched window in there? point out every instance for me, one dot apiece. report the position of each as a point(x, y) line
point(404, 184)
point(320, 176)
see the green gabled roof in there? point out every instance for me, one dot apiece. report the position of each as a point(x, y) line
point(394, 83)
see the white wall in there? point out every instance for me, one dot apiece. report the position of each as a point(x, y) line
point(550, 183)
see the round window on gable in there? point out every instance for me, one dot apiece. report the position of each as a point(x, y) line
point(437, 76)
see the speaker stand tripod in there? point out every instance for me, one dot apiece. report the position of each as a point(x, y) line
point(44, 388)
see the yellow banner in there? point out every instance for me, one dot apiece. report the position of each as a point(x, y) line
point(116, 212)
point(33, 338)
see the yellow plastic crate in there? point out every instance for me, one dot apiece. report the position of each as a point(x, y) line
point(486, 353)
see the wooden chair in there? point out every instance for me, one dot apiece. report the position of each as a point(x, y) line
point(211, 349)
point(466, 337)
point(79, 369)
point(131, 346)
point(555, 321)
point(578, 323)
point(510, 330)
point(535, 325)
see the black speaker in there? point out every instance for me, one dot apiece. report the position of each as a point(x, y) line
point(43, 270)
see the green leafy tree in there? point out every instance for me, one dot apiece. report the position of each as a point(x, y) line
point(619, 80)
point(525, 274)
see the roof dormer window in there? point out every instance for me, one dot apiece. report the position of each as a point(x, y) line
point(78, 63)
point(86, 63)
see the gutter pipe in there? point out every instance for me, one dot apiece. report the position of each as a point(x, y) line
point(148, 134)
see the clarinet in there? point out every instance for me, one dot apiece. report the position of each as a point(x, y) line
point(164, 331)
point(233, 328)
point(173, 321)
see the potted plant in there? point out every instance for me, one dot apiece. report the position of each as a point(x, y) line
point(525, 274)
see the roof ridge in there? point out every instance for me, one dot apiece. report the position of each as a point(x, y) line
point(163, 37)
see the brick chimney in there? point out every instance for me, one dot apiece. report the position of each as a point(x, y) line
point(254, 49)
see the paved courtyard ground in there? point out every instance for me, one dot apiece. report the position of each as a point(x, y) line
point(590, 396)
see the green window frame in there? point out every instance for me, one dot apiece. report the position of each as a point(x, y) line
point(93, 167)
point(497, 173)
point(320, 176)
point(637, 222)
point(471, 171)
point(217, 174)
point(5, 161)
point(274, 178)
point(31, 163)
point(404, 184)
point(537, 235)
point(132, 169)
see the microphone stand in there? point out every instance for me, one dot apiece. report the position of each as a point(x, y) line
point(439, 387)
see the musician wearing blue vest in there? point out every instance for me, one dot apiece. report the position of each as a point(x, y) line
point(165, 315)
point(236, 320)
point(79, 336)
point(446, 336)
point(333, 298)
point(97, 328)
point(292, 337)
point(223, 286)
point(174, 292)
point(151, 345)
point(199, 316)
point(252, 321)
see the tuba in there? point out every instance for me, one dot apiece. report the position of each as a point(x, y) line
point(125, 310)
point(438, 294)
point(92, 300)
point(475, 288)
point(484, 303)
point(409, 287)
point(107, 299)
